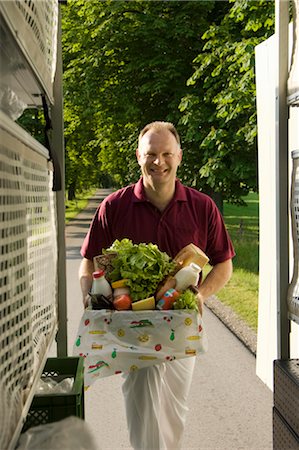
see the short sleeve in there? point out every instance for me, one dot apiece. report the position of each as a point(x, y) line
point(99, 234)
point(219, 245)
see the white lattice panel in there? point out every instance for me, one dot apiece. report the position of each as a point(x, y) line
point(293, 293)
point(28, 269)
point(34, 27)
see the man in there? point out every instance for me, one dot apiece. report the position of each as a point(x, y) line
point(159, 209)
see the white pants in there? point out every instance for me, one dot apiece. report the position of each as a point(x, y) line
point(156, 404)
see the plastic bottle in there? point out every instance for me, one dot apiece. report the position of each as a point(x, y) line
point(187, 276)
point(168, 299)
point(100, 286)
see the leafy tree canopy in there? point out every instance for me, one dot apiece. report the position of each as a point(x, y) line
point(219, 112)
point(127, 63)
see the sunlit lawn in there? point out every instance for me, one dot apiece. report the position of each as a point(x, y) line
point(73, 207)
point(241, 293)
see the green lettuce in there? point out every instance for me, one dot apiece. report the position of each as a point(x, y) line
point(143, 265)
point(187, 300)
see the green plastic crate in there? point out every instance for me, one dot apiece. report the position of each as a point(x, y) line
point(54, 407)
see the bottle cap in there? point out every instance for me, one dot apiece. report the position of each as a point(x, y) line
point(195, 267)
point(98, 274)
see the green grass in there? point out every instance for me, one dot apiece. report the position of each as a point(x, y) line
point(241, 292)
point(73, 207)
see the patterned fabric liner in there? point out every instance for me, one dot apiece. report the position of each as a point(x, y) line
point(114, 342)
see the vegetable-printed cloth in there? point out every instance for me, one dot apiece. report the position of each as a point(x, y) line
point(114, 342)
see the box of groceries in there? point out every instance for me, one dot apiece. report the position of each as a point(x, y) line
point(143, 310)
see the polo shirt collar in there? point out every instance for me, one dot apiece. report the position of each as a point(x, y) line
point(139, 194)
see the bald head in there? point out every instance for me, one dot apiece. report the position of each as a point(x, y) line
point(159, 126)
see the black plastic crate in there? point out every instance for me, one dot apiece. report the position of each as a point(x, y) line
point(286, 391)
point(49, 408)
point(284, 437)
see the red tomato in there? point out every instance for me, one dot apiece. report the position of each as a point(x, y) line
point(122, 302)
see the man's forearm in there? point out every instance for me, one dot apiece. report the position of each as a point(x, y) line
point(215, 280)
point(85, 277)
point(85, 283)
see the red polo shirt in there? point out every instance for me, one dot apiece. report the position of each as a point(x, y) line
point(190, 217)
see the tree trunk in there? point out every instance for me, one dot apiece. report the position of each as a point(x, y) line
point(218, 199)
point(71, 195)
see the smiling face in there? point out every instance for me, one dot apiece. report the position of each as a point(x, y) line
point(159, 156)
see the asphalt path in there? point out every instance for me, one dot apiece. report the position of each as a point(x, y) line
point(230, 408)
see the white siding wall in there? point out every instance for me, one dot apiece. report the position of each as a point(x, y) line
point(266, 69)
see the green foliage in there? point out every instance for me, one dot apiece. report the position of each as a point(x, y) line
point(32, 120)
point(125, 64)
point(192, 63)
point(219, 112)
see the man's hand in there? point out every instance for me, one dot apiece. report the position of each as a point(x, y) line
point(86, 301)
point(200, 303)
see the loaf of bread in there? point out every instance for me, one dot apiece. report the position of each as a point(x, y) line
point(191, 254)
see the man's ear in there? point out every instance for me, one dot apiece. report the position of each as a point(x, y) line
point(137, 155)
point(181, 155)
